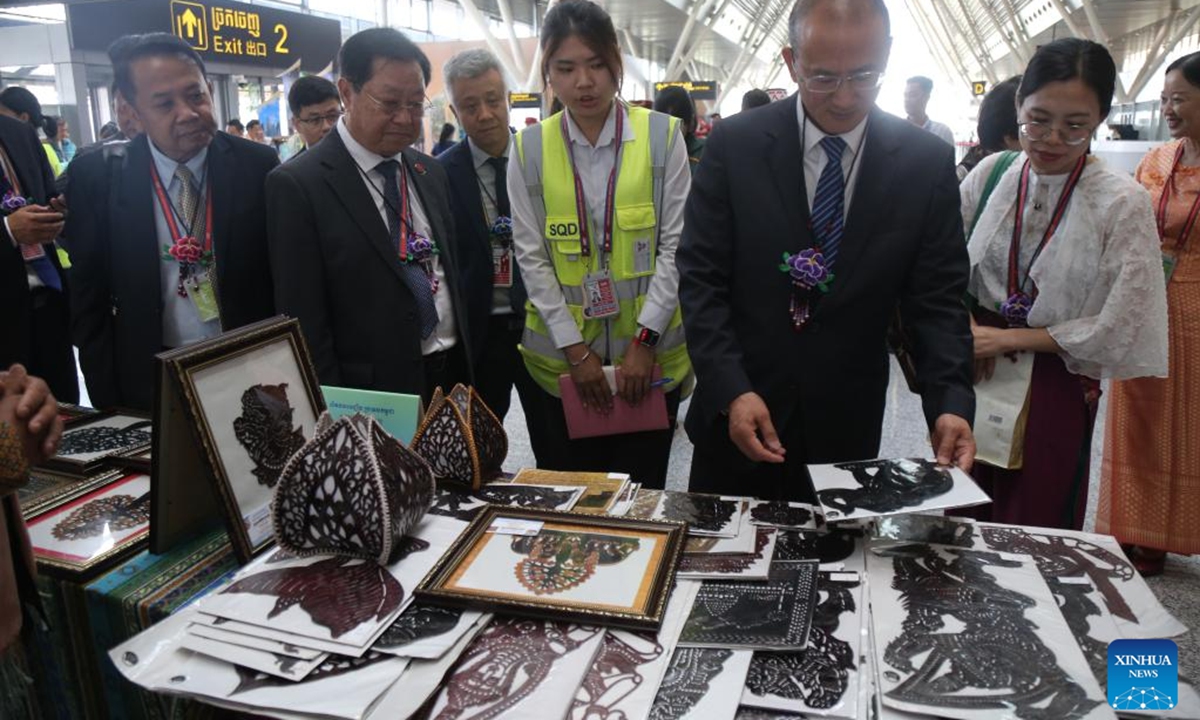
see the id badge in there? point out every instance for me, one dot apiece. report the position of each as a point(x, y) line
point(204, 297)
point(643, 257)
point(502, 271)
point(599, 296)
point(32, 252)
point(1169, 262)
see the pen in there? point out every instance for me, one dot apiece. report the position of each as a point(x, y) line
point(661, 382)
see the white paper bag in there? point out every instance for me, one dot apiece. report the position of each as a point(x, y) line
point(1001, 410)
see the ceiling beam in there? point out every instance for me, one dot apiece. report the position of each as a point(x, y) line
point(1151, 67)
point(1101, 37)
point(1022, 59)
point(949, 23)
point(933, 40)
point(506, 60)
point(1065, 14)
point(513, 45)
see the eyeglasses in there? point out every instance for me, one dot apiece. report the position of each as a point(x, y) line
point(1072, 134)
point(319, 120)
point(393, 108)
point(860, 81)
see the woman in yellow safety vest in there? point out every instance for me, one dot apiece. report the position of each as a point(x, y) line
point(597, 194)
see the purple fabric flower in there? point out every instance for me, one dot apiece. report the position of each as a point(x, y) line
point(807, 269)
point(12, 202)
point(1015, 310)
point(420, 247)
point(503, 227)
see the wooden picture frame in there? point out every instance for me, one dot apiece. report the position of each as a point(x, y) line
point(89, 534)
point(90, 440)
point(140, 460)
point(255, 378)
point(625, 581)
point(48, 490)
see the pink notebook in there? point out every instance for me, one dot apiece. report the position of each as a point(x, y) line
point(649, 414)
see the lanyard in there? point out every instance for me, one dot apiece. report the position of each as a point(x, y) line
point(1168, 189)
point(404, 211)
point(172, 214)
point(1015, 283)
point(585, 235)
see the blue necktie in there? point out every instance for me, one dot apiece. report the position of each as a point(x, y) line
point(828, 214)
point(414, 274)
point(45, 269)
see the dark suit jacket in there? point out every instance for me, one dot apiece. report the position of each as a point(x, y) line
point(903, 243)
point(117, 291)
point(336, 269)
point(474, 244)
point(37, 181)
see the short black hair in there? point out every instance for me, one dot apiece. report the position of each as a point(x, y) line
point(20, 100)
point(923, 82)
point(1189, 65)
point(803, 7)
point(50, 127)
point(234, 122)
point(358, 54)
point(1067, 59)
point(674, 100)
point(310, 90)
point(755, 98)
point(998, 115)
point(253, 124)
point(125, 50)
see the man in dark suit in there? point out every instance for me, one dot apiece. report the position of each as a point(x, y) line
point(315, 107)
point(33, 287)
point(788, 373)
point(167, 233)
point(477, 168)
point(361, 234)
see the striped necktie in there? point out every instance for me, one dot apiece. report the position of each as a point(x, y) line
point(828, 208)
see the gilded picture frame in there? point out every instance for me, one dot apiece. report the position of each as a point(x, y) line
point(619, 571)
point(47, 490)
point(91, 440)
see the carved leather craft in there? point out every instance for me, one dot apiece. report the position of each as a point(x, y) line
point(114, 513)
point(703, 562)
point(352, 490)
point(337, 593)
point(776, 613)
point(831, 547)
point(333, 666)
point(615, 674)
point(461, 438)
point(556, 561)
point(418, 622)
point(781, 514)
point(265, 430)
point(894, 485)
point(975, 645)
point(526, 496)
point(92, 440)
point(688, 678)
point(700, 512)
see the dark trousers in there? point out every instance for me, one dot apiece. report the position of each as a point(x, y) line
point(50, 354)
point(644, 455)
point(500, 367)
point(445, 369)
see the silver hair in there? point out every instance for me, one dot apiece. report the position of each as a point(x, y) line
point(468, 65)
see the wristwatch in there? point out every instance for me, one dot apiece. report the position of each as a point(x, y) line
point(646, 336)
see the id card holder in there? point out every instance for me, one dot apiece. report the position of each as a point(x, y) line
point(203, 295)
point(643, 256)
point(32, 252)
point(502, 270)
point(599, 296)
point(1169, 262)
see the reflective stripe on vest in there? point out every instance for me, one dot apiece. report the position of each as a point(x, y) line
point(546, 167)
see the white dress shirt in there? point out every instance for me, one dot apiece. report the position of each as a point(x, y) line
point(443, 336)
point(501, 303)
point(815, 157)
point(181, 321)
point(938, 129)
point(594, 163)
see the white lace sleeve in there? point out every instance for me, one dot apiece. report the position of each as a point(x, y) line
point(1123, 331)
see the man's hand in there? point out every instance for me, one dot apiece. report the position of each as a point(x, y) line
point(748, 419)
point(984, 369)
point(953, 442)
point(37, 410)
point(588, 376)
point(59, 204)
point(35, 224)
point(637, 368)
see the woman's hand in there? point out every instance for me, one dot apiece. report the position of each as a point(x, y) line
point(587, 372)
point(990, 341)
point(637, 369)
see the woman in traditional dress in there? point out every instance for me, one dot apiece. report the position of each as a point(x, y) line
point(1065, 268)
point(597, 195)
point(1150, 478)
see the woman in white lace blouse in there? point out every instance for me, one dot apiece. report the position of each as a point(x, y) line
point(1064, 265)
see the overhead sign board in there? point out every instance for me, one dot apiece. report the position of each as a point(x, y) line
point(698, 89)
point(228, 32)
point(525, 99)
point(979, 88)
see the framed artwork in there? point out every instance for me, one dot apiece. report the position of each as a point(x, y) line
point(46, 490)
point(232, 410)
point(138, 460)
point(88, 534)
point(603, 489)
point(70, 411)
point(89, 440)
point(581, 568)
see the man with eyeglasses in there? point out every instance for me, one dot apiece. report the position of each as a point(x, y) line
point(809, 221)
point(478, 167)
point(362, 237)
point(315, 107)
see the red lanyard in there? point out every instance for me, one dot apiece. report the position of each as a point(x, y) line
point(585, 235)
point(406, 222)
point(1168, 189)
point(170, 213)
point(1015, 283)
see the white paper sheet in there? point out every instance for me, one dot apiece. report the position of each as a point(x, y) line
point(870, 488)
